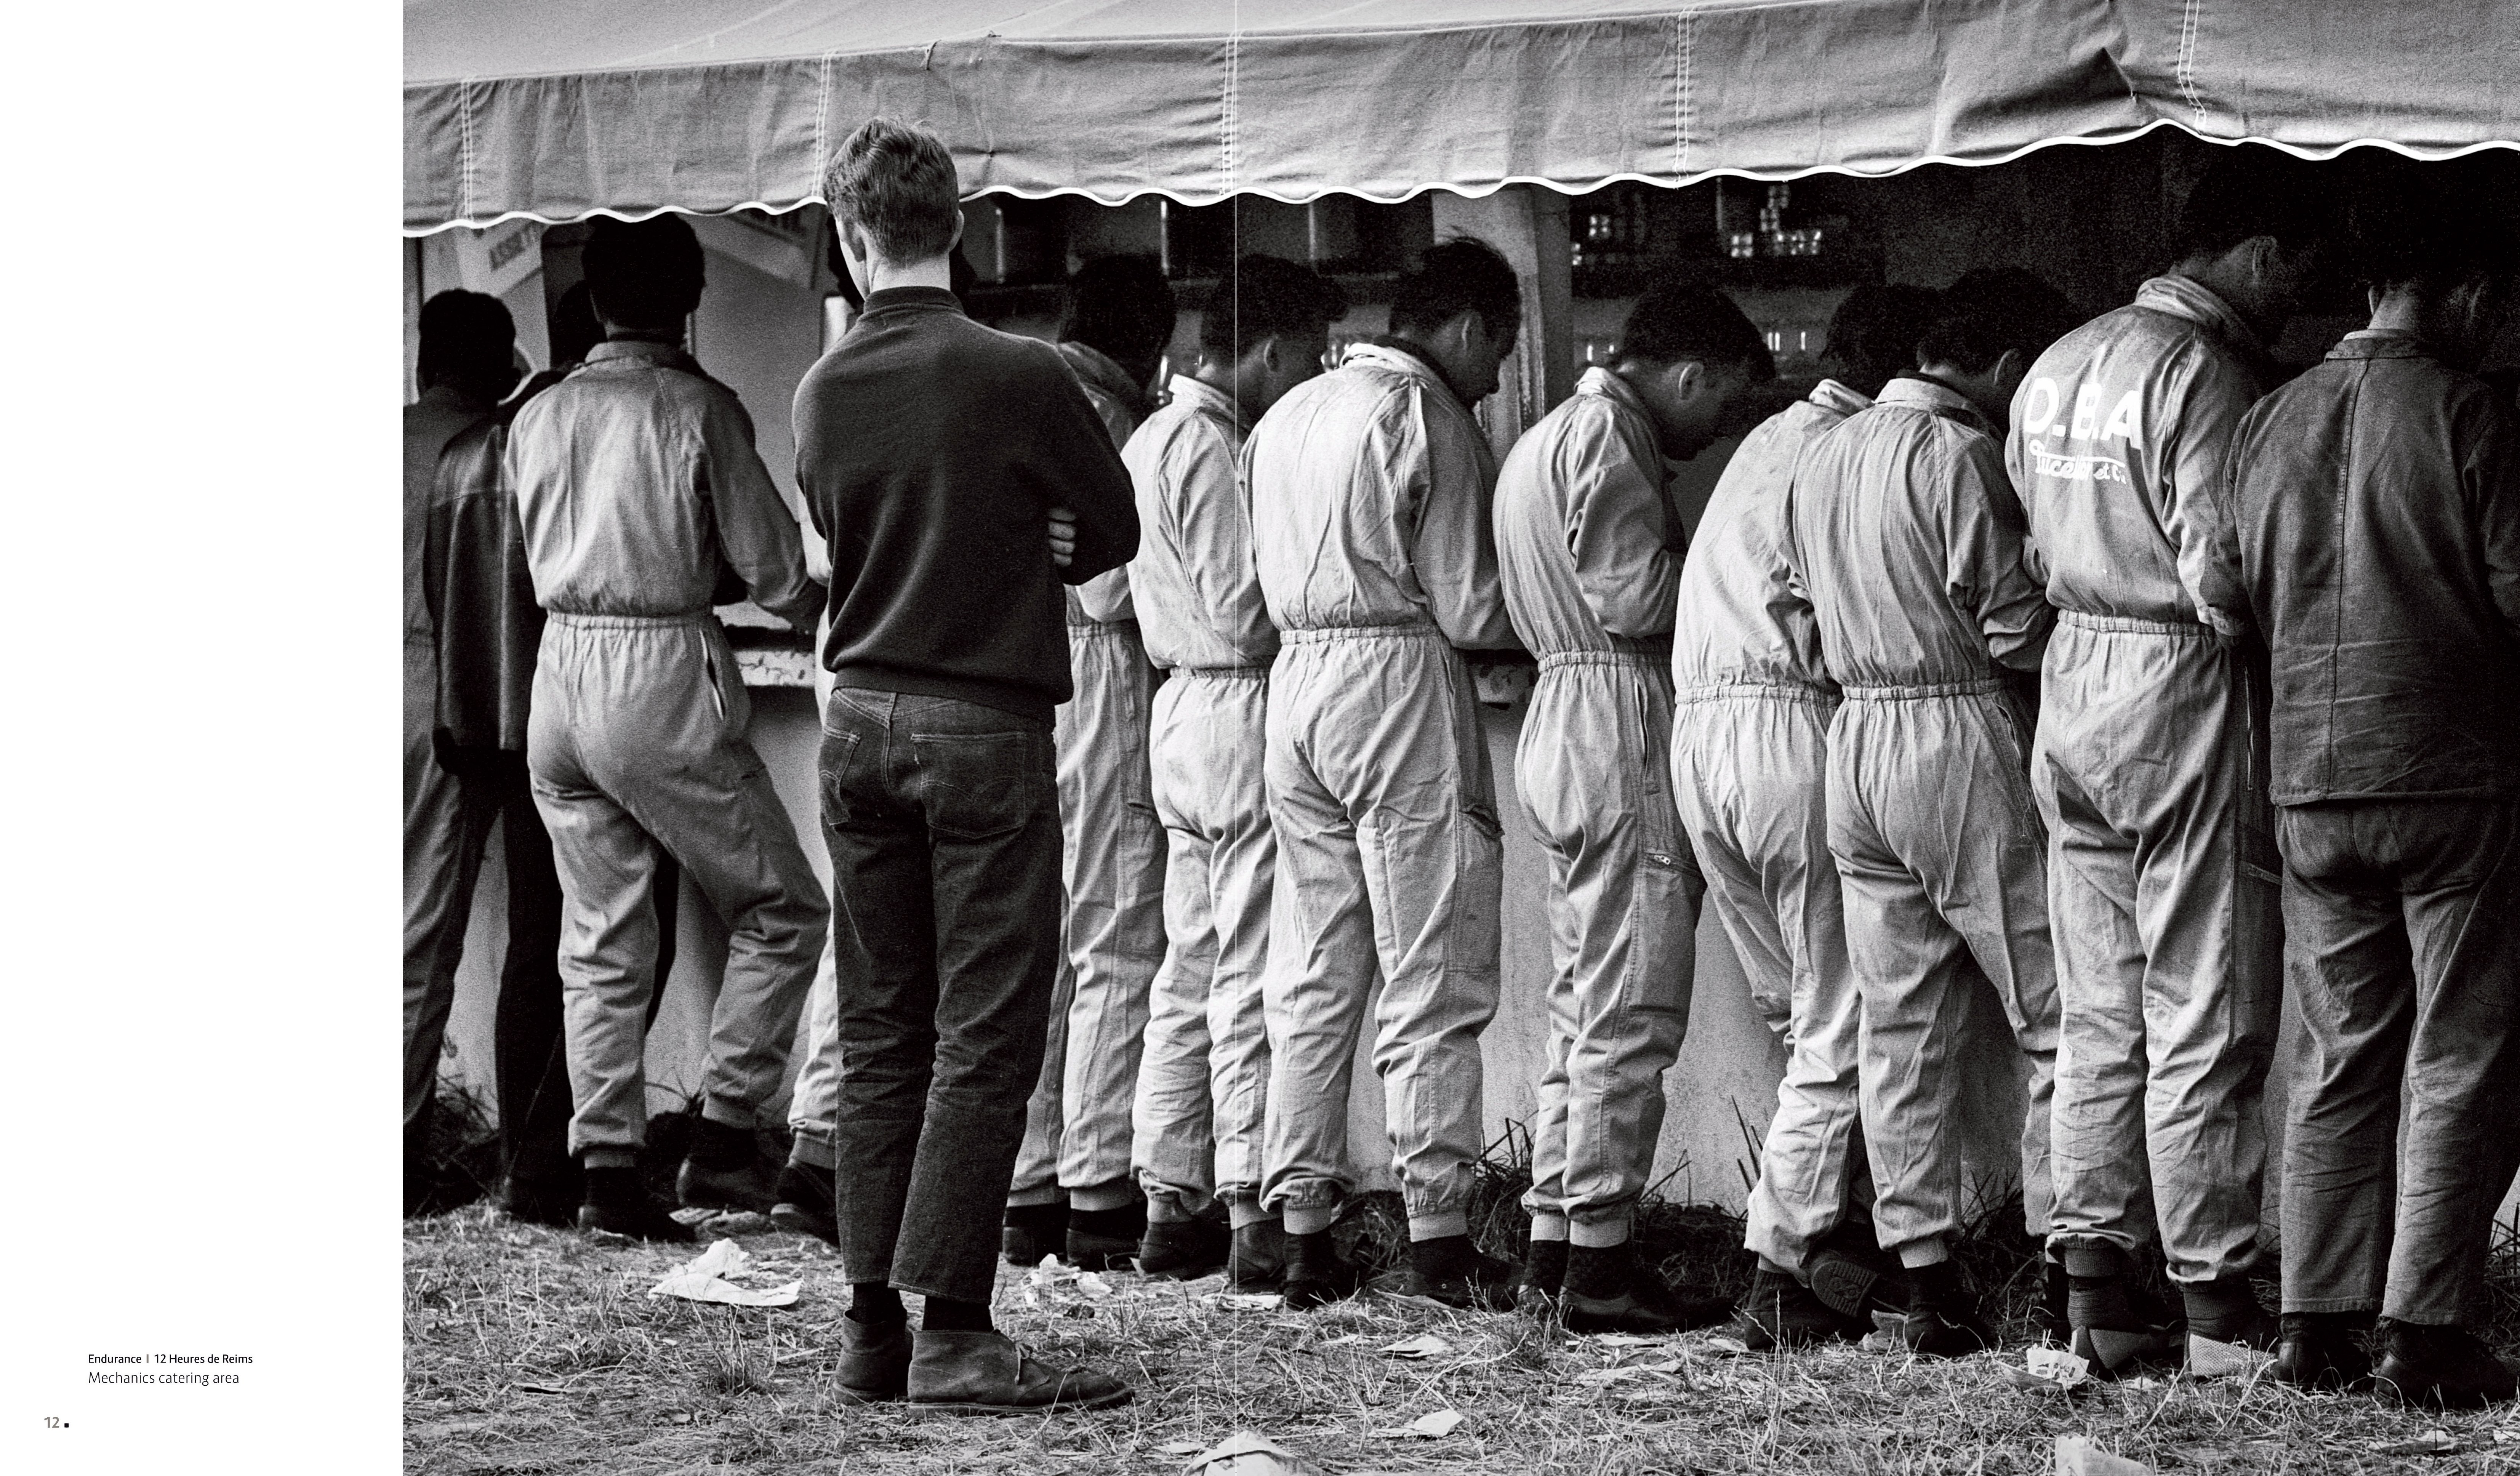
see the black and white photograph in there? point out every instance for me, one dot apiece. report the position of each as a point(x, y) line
point(1281, 738)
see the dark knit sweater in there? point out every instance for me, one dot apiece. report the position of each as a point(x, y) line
point(931, 450)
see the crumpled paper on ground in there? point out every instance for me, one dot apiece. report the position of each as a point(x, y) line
point(1433, 1426)
point(1246, 1453)
point(2209, 1358)
point(1423, 1346)
point(703, 1279)
point(2076, 1455)
point(2430, 1442)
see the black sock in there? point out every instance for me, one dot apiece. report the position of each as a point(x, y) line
point(715, 1145)
point(2225, 1310)
point(1313, 1252)
point(1127, 1223)
point(1443, 1258)
point(944, 1315)
point(875, 1302)
point(2100, 1301)
point(1599, 1271)
point(618, 1187)
point(1546, 1264)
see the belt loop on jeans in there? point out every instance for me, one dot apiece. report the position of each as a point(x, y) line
point(701, 619)
point(1767, 692)
point(2196, 629)
point(1982, 687)
point(1415, 630)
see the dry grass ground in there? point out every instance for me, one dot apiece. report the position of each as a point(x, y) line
point(532, 1351)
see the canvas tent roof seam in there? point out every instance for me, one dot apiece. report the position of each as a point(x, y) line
point(769, 207)
point(1784, 89)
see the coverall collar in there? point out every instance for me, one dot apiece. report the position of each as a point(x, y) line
point(1403, 357)
point(1099, 370)
point(1207, 399)
point(2380, 343)
point(662, 355)
point(1598, 380)
point(1837, 400)
point(910, 298)
point(1938, 398)
point(2187, 297)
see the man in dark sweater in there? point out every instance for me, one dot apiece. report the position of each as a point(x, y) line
point(933, 453)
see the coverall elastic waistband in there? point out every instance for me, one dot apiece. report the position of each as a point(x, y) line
point(1559, 658)
point(1076, 628)
point(1222, 673)
point(1768, 692)
point(1982, 687)
point(700, 619)
point(1413, 631)
point(2192, 628)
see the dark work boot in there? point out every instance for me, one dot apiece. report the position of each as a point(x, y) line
point(2051, 1317)
point(617, 1204)
point(807, 1202)
point(1855, 1288)
point(1544, 1276)
point(2324, 1349)
point(1317, 1274)
point(2439, 1368)
point(1183, 1250)
point(1256, 1259)
point(963, 1372)
point(1780, 1311)
point(1609, 1290)
point(1943, 1320)
point(2108, 1332)
point(875, 1361)
point(1451, 1271)
point(1106, 1240)
point(1032, 1231)
point(724, 1171)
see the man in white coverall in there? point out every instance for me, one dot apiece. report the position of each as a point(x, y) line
point(643, 504)
point(1589, 551)
point(1369, 492)
point(1072, 1188)
point(2167, 951)
point(1749, 763)
point(1204, 1080)
point(1907, 539)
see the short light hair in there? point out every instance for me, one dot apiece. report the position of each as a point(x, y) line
point(896, 181)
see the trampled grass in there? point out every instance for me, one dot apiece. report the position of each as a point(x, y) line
point(535, 1351)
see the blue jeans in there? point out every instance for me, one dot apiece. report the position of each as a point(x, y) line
point(942, 818)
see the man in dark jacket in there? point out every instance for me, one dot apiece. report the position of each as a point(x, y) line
point(2377, 533)
point(933, 453)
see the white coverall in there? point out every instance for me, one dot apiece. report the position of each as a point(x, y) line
point(1589, 551)
point(1749, 761)
point(1370, 491)
point(1076, 1128)
point(1907, 539)
point(1204, 1080)
point(2168, 949)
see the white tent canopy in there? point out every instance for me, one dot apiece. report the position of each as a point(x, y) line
point(555, 110)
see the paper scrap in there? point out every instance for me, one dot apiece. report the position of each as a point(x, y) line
point(2076, 1455)
point(1631, 1340)
point(1250, 1301)
point(703, 1279)
point(1092, 1286)
point(1343, 1339)
point(1423, 1345)
point(1727, 1345)
point(1433, 1426)
point(2064, 1368)
point(2430, 1442)
point(1182, 1448)
point(1246, 1453)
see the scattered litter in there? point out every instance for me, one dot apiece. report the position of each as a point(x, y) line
point(1433, 1426)
point(1630, 1340)
point(682, 1416)
point(1182, 1448)
point(1343, 1339)
point(1250, 1301)
point(2141, 1381)
point(1092, 1286)
point(1424, 1345)
point(2430, 1442)
point(2062, 1367)
point(1600, 1377)
point(2208, 1357)
point(1050, 1272)
point(1246, 1453)
point(703, 1279)
point(1733, 1347)
point(539, 1388)
point(2076, 1455)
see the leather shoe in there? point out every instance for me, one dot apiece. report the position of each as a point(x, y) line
point(1256, 1260)
point(2324, 1349)
point(1943, 1320)
point(2440, 1367)
point(986, 1373)
point(875, 1361)
point(1780, 1311)
point(1181, 1250)
point(807, 1202)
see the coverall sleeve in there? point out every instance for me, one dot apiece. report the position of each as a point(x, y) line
point(1074, 465)
point(754, 527)
point(2493, 477)
point(1618, 527)
point(1452, 550)
point(1986, 577)
point(1202, 497)
point(2196, 431)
